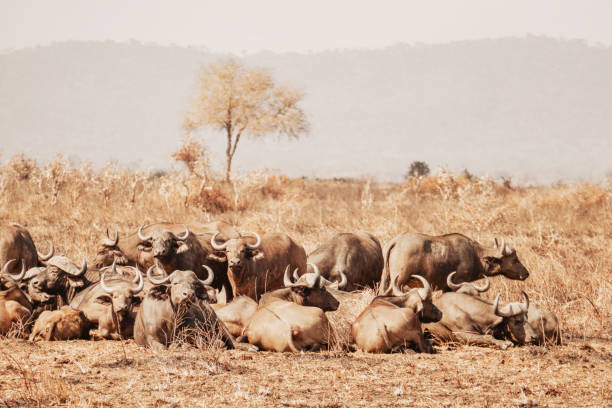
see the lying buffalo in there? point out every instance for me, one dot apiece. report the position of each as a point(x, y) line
point(390, 322)
point(474, 320)
point(358, 256)
point(293, 318)
point(435, 257)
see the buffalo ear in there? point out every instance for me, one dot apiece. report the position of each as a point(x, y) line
point(159, 292)
point(492, 260)
point(104, 300)
point(182, 247)
point(300, 290)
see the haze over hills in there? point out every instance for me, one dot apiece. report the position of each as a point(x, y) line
point(534, 108)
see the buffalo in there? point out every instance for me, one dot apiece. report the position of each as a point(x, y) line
point(177, 304)
point(109, 305)
point(358, 256)
point(254, 268)
point(236, 314)
point(435, 257)
point(16, 243)
point(474, 320)
point(293, 318)
point(15, 308)
point(390, 322)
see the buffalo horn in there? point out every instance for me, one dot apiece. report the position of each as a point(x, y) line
point(316, 277)
point(111, 242)
point(103, 284)
point(256, 244)
point(211, 276)
point(49, 255)
point(485, 287)
point(287, 278)
point(16, 277)
point(525, 306)
point(154, 280)
point(213, 242)
point(296, 276)
point(140, 281)
point(184, 236)
point(343, 280)
point(425, 291)
point(142, 237)
point(82, 270)
point(453, 286)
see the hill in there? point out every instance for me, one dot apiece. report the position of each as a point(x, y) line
point(535, 108)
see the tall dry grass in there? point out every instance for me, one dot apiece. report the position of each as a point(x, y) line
point(562, 233)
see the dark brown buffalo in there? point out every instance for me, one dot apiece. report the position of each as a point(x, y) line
point(435, 257)
point(175, 305)
point(257, 267)
point(390, 322)
point(293, 318)
point(356, 255)
point(173, 247)
point(16, 243)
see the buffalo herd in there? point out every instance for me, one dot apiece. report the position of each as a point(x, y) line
point(168, 282)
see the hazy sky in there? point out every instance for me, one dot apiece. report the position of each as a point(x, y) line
point(284, 25)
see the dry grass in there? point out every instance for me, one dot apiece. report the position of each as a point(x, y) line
point(563, 235)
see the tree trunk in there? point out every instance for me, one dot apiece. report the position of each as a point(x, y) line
point(228, 156)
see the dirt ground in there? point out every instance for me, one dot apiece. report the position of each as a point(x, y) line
point(113, 373)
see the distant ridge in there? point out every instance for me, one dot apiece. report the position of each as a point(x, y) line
point(535, 108)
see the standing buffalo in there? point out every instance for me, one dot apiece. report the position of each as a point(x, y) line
point(356, 255)
point(473, 320)
point(435, 257)
point(177, 304)
point(172, 247)
point(254, 268)
point(109, 305)
point(293, 318)
point(16, 243)
point(395, 321)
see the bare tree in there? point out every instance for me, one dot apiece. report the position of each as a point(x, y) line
point(244, 102)
point(417, 169)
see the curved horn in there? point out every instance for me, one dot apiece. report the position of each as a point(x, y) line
point(142, 237)
point(140, 281)
point(213, 242)
point(256, 244)
point(485, 287)
point(138, 274)
point(453, 286)
point(497, 311)
point(525, 306)
point(343, 280)
point(153, 280)
point(316, 277)
point(211, 276)
point(296, 276)
point(185, 234)
point(287, 278)
point(503, 246)
point(425, 291)
point(82, 270)
point(111, 242)
point(103, 285)
point(15, 277)
point(49, 255)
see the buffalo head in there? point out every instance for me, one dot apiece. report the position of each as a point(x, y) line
point(163, 244)
point(238, 251)
point(309, 290)
point(513, 321)
point(506, 262)
point(120, 295)
point(184, 287)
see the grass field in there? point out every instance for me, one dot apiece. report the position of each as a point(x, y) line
point(562, 234)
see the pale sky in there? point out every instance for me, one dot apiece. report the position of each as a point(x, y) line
point(284, 25)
